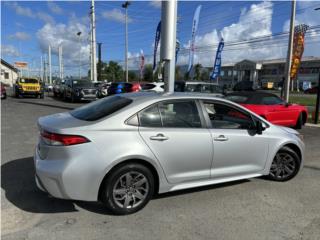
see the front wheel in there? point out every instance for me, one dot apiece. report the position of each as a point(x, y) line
point(299, 122)
point(128, 189)
point(285, 165)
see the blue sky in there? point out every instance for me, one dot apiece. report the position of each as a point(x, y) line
point(27, 28)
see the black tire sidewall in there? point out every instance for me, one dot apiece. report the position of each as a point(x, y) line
point(297, 162)
point(299, 122)
point(111, 181)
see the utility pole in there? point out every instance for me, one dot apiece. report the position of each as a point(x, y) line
point(94, 43)
point(79, 35)
point(99, 61)
point(41, 69)
point(289, 55)
point(60, 62)
point(125, 6)
point(168, 42)
point(45, 69)
point(316, 114)
point(49, 60)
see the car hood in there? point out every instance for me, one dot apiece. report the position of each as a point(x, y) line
point(288, 130)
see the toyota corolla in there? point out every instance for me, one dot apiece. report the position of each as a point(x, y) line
point(123, 149)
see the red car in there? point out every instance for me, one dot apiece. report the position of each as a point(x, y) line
point(271, 107)
point(3, 92)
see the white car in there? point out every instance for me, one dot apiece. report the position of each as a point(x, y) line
point(153, 87)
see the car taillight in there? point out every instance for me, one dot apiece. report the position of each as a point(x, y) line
point(55, 139)
point(136, 88)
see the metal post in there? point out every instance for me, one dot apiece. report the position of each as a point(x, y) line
point(316, 117)
point(99, 61)
point(289, 55)
point(94, 43)
point(168, 42)
point(50, 70)
point(41, 69)
point(60, 61)
point(125, 6)
point(79, 43)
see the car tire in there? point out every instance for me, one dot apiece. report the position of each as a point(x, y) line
point(299, 123)
point(128, 188)
point(285, 165)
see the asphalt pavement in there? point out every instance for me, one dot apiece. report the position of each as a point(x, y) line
point(248, 209)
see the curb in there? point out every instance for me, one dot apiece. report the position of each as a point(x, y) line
point(312, 125)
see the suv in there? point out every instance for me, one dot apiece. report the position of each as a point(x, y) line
point(29, 86)
point(76, 90)
point(58, 87)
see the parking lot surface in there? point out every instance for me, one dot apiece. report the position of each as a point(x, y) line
point(249, 209)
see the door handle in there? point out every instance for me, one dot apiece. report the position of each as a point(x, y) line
point(159, 137)
point(221, 138)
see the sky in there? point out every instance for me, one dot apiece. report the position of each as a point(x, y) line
point(29, 27)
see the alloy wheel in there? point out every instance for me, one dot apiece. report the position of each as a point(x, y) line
point(283, 166)
point(130, 190)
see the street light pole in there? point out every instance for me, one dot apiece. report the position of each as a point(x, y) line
point(79, 34)
point(316, 117)
point(125, 6)
point(289, 55)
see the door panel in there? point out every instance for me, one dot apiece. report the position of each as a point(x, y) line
point(281, 115)
point(184, 154)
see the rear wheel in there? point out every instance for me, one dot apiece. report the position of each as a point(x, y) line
point(128, 189)
point(285, 165)
point(299, 122)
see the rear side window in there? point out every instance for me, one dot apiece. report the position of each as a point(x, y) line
point(101, 108)
point(271, 100)
point(150, 117)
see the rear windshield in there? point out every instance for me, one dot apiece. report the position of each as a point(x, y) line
point(237, 98)
point(101, 108)
point(28, 80)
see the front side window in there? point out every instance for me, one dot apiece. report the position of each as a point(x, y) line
point(180, 114)
point(225, 117)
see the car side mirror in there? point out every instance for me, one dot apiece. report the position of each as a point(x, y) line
point(259, 127)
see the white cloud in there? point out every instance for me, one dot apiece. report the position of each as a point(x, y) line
point(54, 8)
point(23, 11)
point(155, 3)
point(45, 17)
point(66, 36)
point(9, 51)
point(115, 15)
point(23, 36)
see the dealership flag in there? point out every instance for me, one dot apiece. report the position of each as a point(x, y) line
point(156, 43)
point(193, 36)
point(217, 62)
point(141, 63)
point(177, 49)
point(298, 48)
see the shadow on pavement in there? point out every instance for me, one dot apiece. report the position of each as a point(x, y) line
point(47, 105)
point(17, 180)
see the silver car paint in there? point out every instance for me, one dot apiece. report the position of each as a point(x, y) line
point(76, 172)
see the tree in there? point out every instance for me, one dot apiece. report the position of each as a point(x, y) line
point(178, 73)
point(197, 71)
point(133, 77)
point(205, 75)
point(148, 73)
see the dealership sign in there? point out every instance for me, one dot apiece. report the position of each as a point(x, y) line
point(298, 48)
point(21, 64)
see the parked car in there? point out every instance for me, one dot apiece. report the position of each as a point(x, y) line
point(78, 90)
point(58, 87)
point(272, 108)
point(245, 86)
point(123, 87)
point(152, 87)
point(124, 148)
point(313, 90)
point(29, 87)
point(198, 86)
point(103, 89)
point(3, 92)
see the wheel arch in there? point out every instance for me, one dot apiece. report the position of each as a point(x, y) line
point(304, 117)
point(143, 162)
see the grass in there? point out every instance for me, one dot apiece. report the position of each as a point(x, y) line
point(307, 100)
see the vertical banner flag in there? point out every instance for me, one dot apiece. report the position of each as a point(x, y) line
point(141, 63)
point(177, 49)
point(217, 62)
point(156, 43)
point(298, 48)
point(193, 36)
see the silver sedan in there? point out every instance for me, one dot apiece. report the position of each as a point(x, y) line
point(123, 149)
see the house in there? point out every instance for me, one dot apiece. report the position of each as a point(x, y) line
point(9, 73)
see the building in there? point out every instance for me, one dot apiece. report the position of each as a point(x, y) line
point(9, 73)
point(260, 72)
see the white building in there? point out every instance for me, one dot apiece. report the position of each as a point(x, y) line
point(9, 73)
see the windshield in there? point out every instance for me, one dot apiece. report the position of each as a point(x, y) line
point(237, 98)
point(101, 108)
point(28, 80)
point(83, 84)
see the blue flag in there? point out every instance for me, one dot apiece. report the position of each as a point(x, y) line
point(156, 43)
point(217, 62)
point(193, 36)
